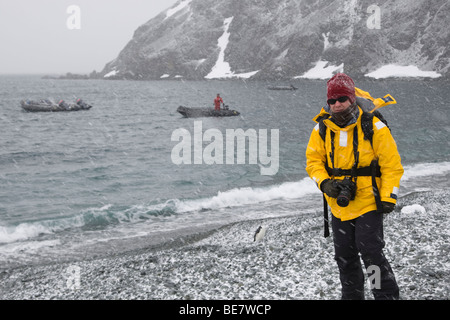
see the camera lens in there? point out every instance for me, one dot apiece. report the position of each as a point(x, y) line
point(343, 198)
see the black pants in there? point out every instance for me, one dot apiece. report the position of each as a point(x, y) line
point(363, 235)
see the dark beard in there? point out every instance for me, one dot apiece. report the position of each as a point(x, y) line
point(344, 117)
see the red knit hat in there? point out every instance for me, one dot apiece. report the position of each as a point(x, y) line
point(341, 85)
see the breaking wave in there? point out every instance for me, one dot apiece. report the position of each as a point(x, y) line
point(111, 215)
point(425, 169)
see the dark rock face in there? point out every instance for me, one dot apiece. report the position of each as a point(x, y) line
point(284, 39)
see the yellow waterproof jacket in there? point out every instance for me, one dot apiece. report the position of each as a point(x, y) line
point(384, 149)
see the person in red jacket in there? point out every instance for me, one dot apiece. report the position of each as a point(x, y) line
point(217, 102)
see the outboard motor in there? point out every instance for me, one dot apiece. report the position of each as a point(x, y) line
point(64, 104)
point(83, 104)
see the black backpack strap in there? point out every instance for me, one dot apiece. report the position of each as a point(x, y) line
point(322, 126)
point(323, 133)
point(367, 126)
point(326, 223)
point(378, 114)
point(376, 192)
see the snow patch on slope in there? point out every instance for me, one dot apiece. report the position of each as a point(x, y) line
point(222, 68)
point(395, 71)
point(183, 4)
point(111, 74)
point(322, 70)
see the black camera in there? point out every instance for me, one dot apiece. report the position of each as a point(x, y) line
point(347, 191)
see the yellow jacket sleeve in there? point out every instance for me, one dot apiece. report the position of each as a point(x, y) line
point(316, 157)
point(389, 160)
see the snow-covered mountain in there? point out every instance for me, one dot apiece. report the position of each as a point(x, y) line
point(285, 39)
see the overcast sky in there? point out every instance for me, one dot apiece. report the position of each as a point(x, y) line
point(42, 36)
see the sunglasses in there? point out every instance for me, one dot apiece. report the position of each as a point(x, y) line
point(340, 99)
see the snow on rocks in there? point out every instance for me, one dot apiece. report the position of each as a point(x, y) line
point(415, 208)
point(418, 245)
point(293, 262)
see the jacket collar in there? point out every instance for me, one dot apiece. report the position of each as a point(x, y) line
point(324, 113)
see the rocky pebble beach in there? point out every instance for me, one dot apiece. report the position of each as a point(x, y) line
point(294, 261)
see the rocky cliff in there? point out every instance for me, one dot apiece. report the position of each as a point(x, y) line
point(284, 39)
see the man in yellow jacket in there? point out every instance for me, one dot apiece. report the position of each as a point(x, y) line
point(360, 180)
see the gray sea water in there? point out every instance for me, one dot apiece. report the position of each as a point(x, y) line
point(79, 185)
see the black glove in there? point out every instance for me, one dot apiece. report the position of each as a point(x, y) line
point(388, 206)
point(329, 187)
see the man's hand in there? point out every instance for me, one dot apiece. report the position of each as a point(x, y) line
point(329, 187)
point(388, 206)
